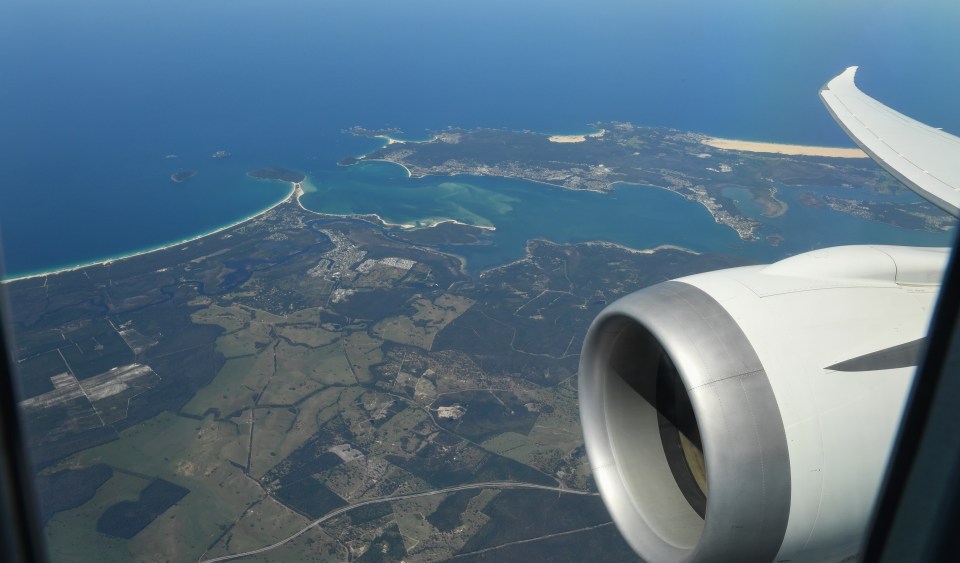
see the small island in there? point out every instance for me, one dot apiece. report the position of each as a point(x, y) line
point(220, 154)
point(183, 176)
point(279, 174)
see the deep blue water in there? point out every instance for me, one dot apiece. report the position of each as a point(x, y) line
point(94, 94)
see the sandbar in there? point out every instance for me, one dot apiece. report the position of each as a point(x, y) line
point(420, 224)
point(631, 250)
point(778, 148)
point(429, 223)
point(394, 141)
point(390, 140)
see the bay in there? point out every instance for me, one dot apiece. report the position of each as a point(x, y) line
point(641, 217)
point(96, 95)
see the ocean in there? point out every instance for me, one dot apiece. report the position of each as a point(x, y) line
point(96, 96)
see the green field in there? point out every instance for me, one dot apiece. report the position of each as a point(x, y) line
point(273, 403)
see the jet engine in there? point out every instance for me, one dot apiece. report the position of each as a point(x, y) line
point(747, 414)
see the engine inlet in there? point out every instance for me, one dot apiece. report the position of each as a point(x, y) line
point(656, 380)
point(683, 430)
point(652, 431)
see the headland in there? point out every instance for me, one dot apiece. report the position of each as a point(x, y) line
point(697, 167)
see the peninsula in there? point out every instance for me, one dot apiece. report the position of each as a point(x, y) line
point(279, 174)
point(697, 167)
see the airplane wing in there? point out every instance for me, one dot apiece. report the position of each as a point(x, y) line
point(922, 157)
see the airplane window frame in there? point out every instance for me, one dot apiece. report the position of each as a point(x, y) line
point(918, 511)
point(21, 537)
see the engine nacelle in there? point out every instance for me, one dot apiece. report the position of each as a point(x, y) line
point(747, 414)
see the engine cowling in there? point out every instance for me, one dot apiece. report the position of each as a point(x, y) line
point(747, 414)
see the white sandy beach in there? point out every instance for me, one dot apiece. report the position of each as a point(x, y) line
point(428, 223)
point(778, 148)
point(294, 187)
point(575, 138)
point(390, 140)
point(296, 190)
point(631, 250)
point(424, 224)
point(407, 170)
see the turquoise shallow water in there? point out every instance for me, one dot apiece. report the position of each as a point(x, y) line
point(641, 217)
point(636, 216)
point(517, 210)
point(87, 118)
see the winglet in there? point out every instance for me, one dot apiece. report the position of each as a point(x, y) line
point(925, 159)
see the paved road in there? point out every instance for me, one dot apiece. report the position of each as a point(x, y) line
point(349, 507)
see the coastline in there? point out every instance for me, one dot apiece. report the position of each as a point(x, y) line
point(780, 148)
point(576, 138)
point(294, 187)
point(394, 141)
point(745, 228)
point(527, 253)
point(427, 223)
point(483, 175)
point(390, 140)
point(298, 192)
point(630, 250)
point(746, 232)
point(430, 223)
point(407, 170)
